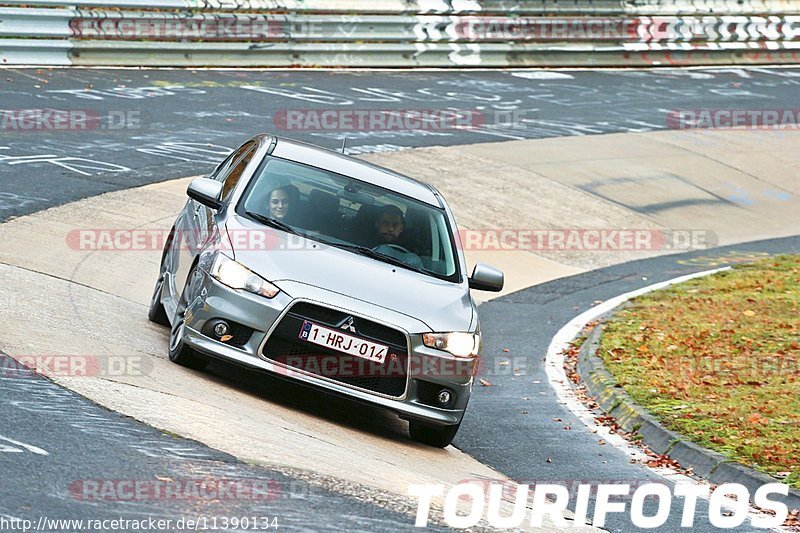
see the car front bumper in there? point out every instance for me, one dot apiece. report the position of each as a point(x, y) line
point(428, 370)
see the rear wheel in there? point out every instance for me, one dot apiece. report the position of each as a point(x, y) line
point(438, 436)
point(179, 352)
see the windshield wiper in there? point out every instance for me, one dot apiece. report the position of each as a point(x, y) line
point(274, 223)
point(369, 252)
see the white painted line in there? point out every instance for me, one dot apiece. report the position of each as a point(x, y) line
point(554, 367)
point(31, 448)
point(543, 75)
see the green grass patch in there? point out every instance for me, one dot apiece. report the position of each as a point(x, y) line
point(717, 359)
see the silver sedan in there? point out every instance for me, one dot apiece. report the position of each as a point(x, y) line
point(325, 269)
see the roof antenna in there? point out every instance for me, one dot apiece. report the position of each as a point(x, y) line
point(344, 143)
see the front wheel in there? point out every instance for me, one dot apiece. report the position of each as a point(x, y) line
point(438, 436)
point(179, 352)
point(156, 313)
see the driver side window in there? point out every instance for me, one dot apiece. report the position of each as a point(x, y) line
point(231, 176)
point(222, 168)
point(230, 170)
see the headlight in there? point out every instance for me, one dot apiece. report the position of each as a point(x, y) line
point(238, 276)
point(459, 344)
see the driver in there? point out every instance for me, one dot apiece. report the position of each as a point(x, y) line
point(389, 225)
point(389, 228)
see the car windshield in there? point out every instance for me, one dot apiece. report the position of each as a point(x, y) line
point(353, 215)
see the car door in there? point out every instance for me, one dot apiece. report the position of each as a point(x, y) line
point(196, 222)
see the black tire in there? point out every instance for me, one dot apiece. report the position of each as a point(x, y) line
point(179, 352)
point(438, 436)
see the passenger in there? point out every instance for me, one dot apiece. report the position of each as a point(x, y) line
point(282, 203)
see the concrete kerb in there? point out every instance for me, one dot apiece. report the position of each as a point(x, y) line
point(631, 417)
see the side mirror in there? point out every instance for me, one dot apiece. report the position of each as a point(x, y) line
point(206, 191)
point(486, 278)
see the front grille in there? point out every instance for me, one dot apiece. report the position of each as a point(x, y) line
point(285, 346)
point(366, 328)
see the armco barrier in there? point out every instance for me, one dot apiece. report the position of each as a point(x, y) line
point(454, 7)
point(399, 33)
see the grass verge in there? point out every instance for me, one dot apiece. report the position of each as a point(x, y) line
point(717, 359)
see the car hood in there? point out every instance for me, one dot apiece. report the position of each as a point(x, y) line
point(360, 283)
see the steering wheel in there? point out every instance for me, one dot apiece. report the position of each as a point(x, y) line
point(395, 247)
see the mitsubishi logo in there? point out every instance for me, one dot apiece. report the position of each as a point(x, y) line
point(348, 325)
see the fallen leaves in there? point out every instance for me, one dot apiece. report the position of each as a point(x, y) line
point(571, 362)
point(793, 520)
point(714, 364)
point(662, 461)
point(718, 360)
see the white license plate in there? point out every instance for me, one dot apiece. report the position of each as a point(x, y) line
point(342, 342)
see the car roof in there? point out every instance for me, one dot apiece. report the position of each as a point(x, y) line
point(325, 159)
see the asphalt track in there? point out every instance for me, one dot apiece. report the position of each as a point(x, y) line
point(65, 458)
point(152, 125)
point(517, 425)
point(511, 425)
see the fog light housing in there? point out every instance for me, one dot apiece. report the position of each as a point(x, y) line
point(444, 397)
point(220, 328)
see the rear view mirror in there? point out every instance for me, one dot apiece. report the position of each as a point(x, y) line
point(486, 278)
point(206, 191)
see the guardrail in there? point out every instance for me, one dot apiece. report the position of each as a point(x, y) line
point(442, 7)
point(397, 33)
